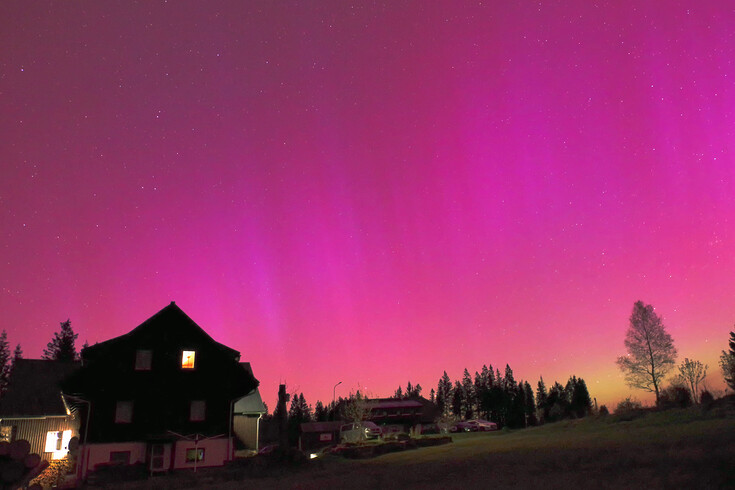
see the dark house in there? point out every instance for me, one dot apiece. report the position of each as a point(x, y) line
point(33, 408)
point(161, 395)
point(403, 414)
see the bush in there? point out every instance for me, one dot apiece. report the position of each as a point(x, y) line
point(706, 400)
point(628, 410)
point(603, 411)
point(674, 397)
point(628, 405)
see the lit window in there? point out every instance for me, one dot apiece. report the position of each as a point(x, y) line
point(53, 441)
point(187, 359)
point(124, 412)
point(57, 443)
point(6, 433)
point(143, 360)
point(197, 410)
point(194, 454)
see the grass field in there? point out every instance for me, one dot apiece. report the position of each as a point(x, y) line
point(674, 449)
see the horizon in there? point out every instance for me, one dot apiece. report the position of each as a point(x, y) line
point(373, 194)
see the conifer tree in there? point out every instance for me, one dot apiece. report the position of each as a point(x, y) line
point(304, 408)
point(530, 404)
point(17, 353)
point(61, 347)
point(510, 382)
point(490, 377)
point(581, 402)
point(542, 399)
point(457, 399)
point(557, 403)
point(444, 394)
point(320, 413)
point(5, 362)
point(727, 363)
point(478, 390)
point(468, 389)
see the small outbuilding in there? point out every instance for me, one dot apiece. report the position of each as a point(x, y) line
point(316, 435)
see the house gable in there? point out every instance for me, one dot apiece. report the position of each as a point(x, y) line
point(149, 395)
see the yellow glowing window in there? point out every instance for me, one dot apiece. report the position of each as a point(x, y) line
point(187, 359)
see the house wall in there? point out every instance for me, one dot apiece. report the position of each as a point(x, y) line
point(216, 452)
point(246, 430)
point(34, 431)
point(95, 454)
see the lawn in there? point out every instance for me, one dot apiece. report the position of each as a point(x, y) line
point(675, 449)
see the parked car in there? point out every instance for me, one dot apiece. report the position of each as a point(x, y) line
point(359, 431)
point(475, 425)
point(268, 449)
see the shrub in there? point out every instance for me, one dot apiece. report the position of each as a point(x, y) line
point(628, 405)
point(628, 410)
point(674, 397)
point(706, 399)
point(603, 412)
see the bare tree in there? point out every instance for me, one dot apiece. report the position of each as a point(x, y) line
point(356, 408)
point(651, 351)
point(692, 373)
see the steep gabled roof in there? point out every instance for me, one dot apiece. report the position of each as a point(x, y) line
point(34, 389)
point(168, 317)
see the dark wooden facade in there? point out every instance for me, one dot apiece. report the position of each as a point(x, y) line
point(158, 389)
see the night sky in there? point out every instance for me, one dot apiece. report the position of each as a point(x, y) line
point(372, 192)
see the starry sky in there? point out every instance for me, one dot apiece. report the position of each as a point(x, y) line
point(372, 192)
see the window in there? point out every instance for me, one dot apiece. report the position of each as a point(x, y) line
point(124, 412)
point(7, 433)
point(187, 359)
point(197, 410)
point(53, 441)
point(143, 360)
point(57, 442)
point(194, 454)
point(157, 454)
point(120, 457)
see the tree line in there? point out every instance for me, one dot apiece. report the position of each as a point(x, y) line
point(501, 399)
point(62, 347)
point(490, 395)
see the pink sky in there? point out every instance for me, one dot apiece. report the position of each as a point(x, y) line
point(372, 193)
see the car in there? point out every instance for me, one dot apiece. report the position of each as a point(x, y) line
point(359, 431)
point(475, 425)
point(268, 449)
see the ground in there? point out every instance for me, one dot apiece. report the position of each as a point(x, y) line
point(675, 449)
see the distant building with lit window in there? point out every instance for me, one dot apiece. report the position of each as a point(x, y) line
point(161, 395)
point(35, 410)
